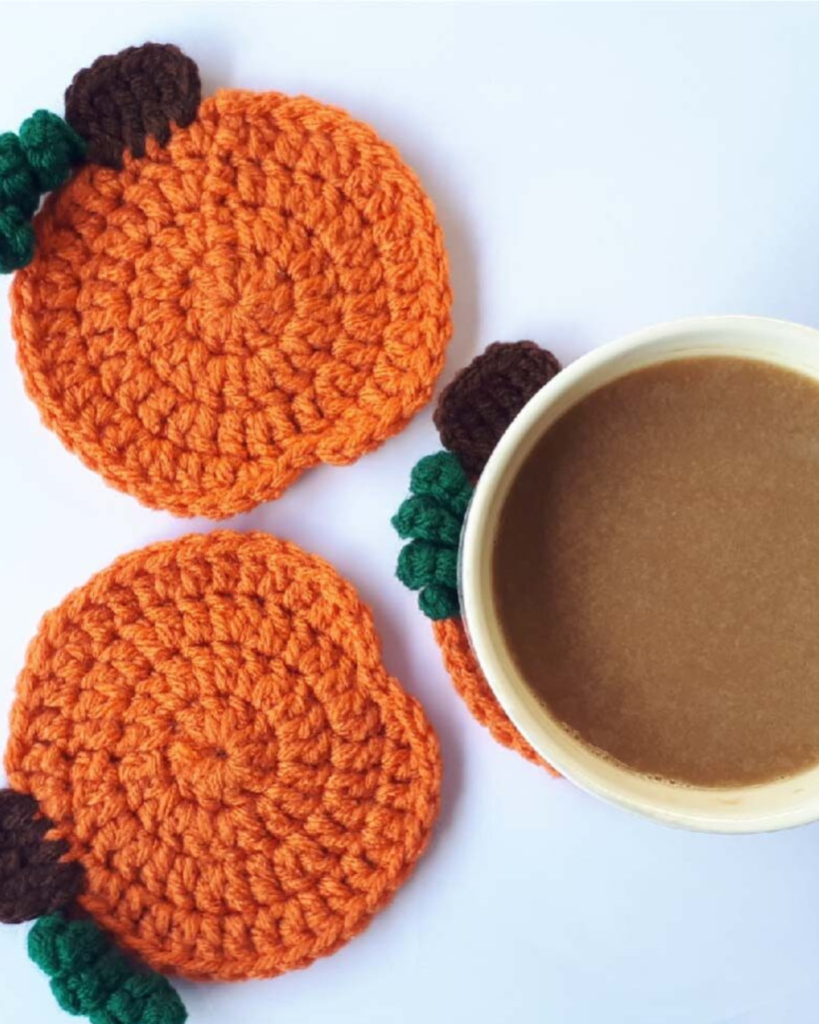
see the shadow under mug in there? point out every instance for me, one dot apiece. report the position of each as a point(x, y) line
point(782, 803)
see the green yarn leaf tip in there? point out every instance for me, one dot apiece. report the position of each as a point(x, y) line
point(144, 999)
point(18, 186)
point(421, 564)
point(431, 519)
point(16, 240)
point(441, 476)
point(37, 160)
point(422, 518)
point(438, 602)
point(91, 977)
point(52, 148)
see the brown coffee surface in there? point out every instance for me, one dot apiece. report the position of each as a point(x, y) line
point(656, 571)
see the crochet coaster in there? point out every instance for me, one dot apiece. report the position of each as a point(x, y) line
point(230, 783)
point(226, 292)
point(471, 416)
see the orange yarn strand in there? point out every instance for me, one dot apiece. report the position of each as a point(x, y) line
point(210, 728)
point(470, 683)
point(267, 292)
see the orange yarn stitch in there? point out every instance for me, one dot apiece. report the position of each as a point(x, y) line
point(267, 292)
point(470, 683)
point(209, 726)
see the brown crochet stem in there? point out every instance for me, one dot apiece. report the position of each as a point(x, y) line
point(474, 410)
point(33, 879)
point(120, 101)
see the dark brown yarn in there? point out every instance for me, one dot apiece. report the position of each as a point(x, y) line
point(476, 408)
point(33, 879)
point(121, 100)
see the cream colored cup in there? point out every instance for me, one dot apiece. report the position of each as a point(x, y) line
point(758, 808)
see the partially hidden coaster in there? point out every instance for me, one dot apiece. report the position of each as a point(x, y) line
point(471, 416)
point(220, 293)
point(211, 772)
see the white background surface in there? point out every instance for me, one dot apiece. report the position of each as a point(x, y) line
point(596, 169)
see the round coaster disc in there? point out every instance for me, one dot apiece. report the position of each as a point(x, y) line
point(267, 292)
point(210, 728)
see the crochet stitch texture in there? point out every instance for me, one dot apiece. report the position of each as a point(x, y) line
point(123, 100)
point(471, 415)
point(209, 726)
point(91, 977)
point(34, 879)
point(266, 292)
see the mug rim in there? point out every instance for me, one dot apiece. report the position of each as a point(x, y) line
point(726, 810)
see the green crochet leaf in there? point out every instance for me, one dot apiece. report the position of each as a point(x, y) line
point(18, 185)
point(91, 977)
point(421, 564)
point(422, 518)
point(441, 476)
point(431, 519)
point(437, 602)
point(16, 240)
point(52, 148)
point(144, 999)
point(37, 160)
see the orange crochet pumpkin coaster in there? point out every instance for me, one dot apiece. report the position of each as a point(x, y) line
point(226, 292)
point(209, 728)
point(471, 416)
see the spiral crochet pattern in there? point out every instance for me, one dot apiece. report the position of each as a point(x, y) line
point(209, 727)
point(266, 292)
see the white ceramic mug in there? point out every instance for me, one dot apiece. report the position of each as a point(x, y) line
point(757, 808)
